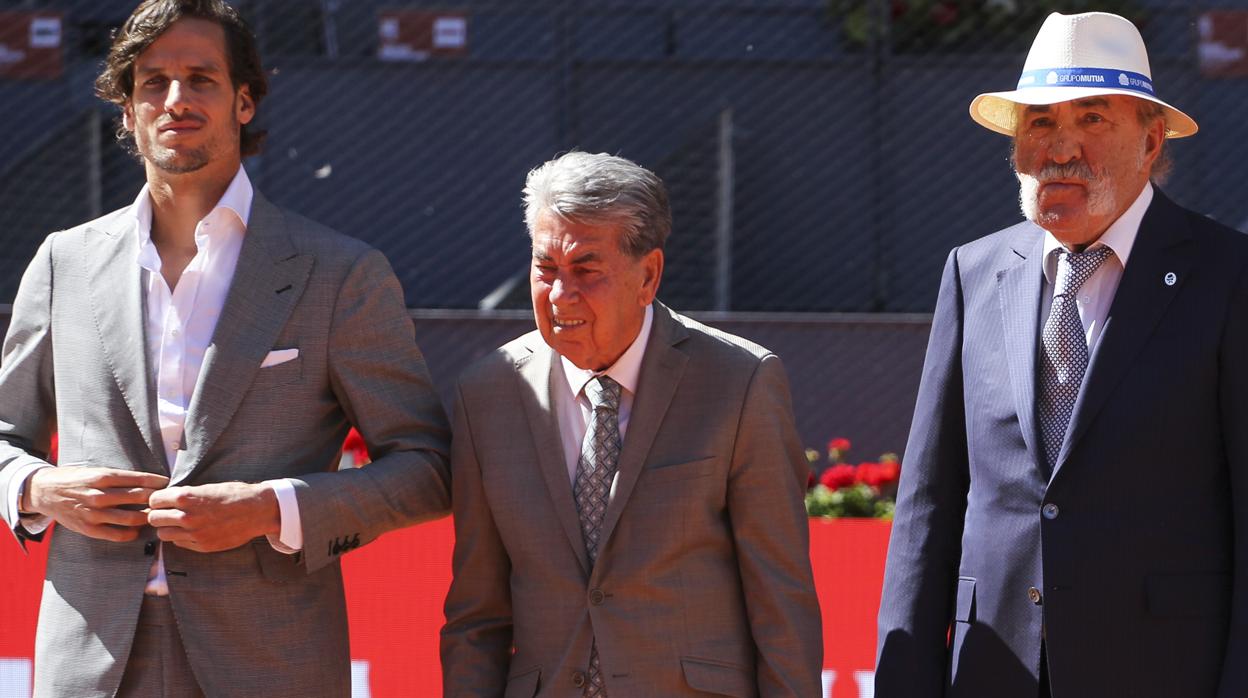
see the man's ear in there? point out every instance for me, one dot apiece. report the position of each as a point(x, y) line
point(652, 273)
point(244, 105)
point(127, 116)
point(1154, 138)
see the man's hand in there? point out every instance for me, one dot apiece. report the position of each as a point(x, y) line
point(89, 499)
point(216, 517)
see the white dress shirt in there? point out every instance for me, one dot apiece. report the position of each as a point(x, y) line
point(573, 409)
point(179, 324)
point(1097, 293)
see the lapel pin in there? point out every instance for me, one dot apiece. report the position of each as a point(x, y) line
point(1171, 279)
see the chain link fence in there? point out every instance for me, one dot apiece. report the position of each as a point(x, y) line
point(819, 153)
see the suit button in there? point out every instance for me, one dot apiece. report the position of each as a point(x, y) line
point(1050, 511)
point(596, 597)
point(578, 679)
point(1033, 595)
point(149, 548)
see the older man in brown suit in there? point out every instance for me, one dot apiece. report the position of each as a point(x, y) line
point(627, 482)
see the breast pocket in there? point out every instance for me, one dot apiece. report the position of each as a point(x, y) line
point(281, 374)
point(680, 470)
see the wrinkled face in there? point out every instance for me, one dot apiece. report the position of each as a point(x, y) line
point(1080, 164)
point(589, 296)
point(185, 112)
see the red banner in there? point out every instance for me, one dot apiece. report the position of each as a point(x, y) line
point(30, 45)
point(415, 35)
point(395, 589)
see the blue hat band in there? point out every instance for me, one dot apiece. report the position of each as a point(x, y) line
point(1087, 77)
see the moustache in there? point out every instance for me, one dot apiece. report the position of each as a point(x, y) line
point(1075, 169)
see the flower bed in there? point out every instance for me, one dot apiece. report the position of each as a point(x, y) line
point(838, 489)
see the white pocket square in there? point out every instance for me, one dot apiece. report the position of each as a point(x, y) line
point(279, 356)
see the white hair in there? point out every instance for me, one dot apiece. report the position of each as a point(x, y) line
point(601, 189)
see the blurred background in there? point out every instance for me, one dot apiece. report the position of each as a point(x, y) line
point(819, 154)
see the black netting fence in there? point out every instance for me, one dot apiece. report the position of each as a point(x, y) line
point(819, 153)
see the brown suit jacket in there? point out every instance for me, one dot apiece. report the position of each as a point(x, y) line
point(703, 581)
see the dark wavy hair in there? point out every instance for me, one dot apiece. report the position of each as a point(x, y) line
point(151, 19)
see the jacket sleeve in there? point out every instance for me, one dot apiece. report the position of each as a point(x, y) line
point(27, 397)
point(477, 638)
point(1233, 409)
point(925, 544)
point(379, 376)
point(766, 489)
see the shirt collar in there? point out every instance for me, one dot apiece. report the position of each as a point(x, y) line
point(626, 370)
point(236, 200)
point(1119, 236)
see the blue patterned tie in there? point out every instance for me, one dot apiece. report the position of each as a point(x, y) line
point(1064, 348)
point(600, 453)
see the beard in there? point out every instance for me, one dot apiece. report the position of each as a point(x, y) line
point(1101, 195)
point(184, 160)
point(1100, 190)
point(174, 162)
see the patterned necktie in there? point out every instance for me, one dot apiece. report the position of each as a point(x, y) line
point(1064, 349)
point(600, 453)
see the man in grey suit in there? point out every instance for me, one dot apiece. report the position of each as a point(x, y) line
point(201, 355)
point(1073, 513)
point(628, 482)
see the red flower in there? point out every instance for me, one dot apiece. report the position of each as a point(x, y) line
point(810, 479)
point(868, 473)
point(356, 447)
point(944, 14)
point(889, 471)
point(839, 475)
point(840, 443)
point(878, 475)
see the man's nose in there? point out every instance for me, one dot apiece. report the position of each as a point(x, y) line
point(1065, 147)
point(562, 292)
point(175, 99)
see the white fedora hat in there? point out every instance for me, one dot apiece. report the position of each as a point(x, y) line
point(1077, 56)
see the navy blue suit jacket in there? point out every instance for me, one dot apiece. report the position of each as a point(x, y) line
point(1131, 557)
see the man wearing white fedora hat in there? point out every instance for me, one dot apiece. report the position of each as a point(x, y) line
point(1073, 515)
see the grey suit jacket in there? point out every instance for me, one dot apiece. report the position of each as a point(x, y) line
point(702, 583)
point(254, 621)
point(1129, 561)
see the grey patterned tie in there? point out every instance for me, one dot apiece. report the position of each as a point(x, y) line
point(600, 453)
point(1064, 348)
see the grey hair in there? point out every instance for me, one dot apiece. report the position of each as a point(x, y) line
point(1149, 112)
point(601, 189)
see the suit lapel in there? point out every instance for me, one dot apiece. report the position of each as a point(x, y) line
point(661, 371)
point(1163, 246)
point(539, 376)
point(268, 282)
point(1020, 286)
point(114, 267)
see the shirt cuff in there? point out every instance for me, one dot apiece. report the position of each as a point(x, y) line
point(290, 539)
point(34, 524)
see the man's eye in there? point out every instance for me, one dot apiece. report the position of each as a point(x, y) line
point(1042, 122)
point(1093, 118)
point(154, 82)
